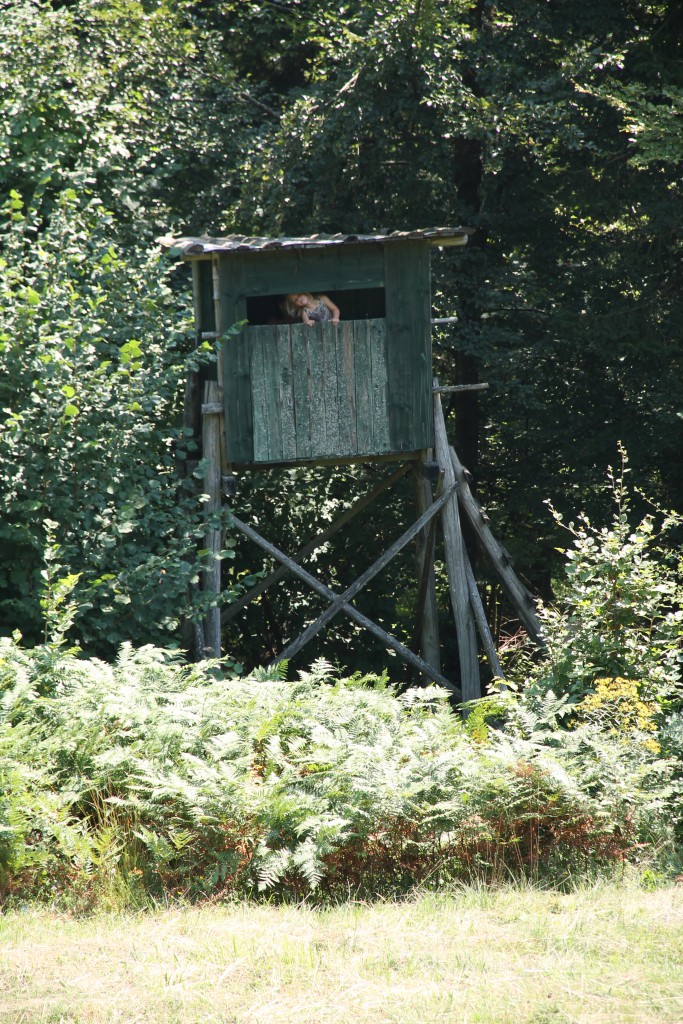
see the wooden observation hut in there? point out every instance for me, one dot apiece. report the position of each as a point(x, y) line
point(362, 390)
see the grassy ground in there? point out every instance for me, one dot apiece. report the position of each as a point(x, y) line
point(611, 954)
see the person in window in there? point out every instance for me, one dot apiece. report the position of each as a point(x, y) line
point(311, 309)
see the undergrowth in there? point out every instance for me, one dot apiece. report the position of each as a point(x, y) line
point(149, 779)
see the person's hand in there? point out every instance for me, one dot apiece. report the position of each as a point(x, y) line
point(335, 319)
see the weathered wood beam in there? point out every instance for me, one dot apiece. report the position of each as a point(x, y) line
point(336, 460)
point(211, 573)
point(391, 642)
point(517, 594)
point(482, 624)
point(212, 429)
point(455, 563)
point(340, 601)
point(451, 388)
point(316, 542)
point(426, 612)
point(192, 433)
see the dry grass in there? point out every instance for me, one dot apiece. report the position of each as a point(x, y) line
point(603, 956)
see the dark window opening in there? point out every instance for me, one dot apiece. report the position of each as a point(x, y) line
point(356, 304)
point(267, 309)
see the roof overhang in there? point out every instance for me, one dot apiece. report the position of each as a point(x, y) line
point(188, 247)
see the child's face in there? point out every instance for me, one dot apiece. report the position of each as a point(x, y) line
point(300, 300)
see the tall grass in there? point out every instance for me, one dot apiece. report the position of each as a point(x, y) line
point(511, 955)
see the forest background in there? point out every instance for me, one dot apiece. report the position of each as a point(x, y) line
point(552, 129)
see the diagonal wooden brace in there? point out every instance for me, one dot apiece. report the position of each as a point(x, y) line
point(519, 597)
point(362, 620)
point(427, 567)
point(237, 606)
point(340, 600)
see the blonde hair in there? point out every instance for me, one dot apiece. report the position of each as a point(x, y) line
point(293, 310)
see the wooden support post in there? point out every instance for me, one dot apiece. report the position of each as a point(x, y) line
point(211, 574)
point(427, 619)
point(213, 455)
point(482, 624)
point(362, 620)
point(517, 594)
point(185, 464)
point(455, 564)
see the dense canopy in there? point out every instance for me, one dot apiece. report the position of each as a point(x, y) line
point(553, 129)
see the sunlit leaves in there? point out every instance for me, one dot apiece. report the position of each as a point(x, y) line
point(94, 374)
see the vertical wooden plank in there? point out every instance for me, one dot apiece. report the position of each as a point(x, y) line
point(217, 374)
point(422, 379)
point(303, 392)
point(363, 380)
point(258, 395)
point(346, 386)
point(409, 344)
point(230, 305)
point(238, 404)
point(222, 281)
point(271, 366)
point(192, 417)
point(380, 400)
point(318, 394)
point(285, 395)
point(230, 397)
point(202, 292)
point(327, 334)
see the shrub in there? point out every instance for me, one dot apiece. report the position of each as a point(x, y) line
point(95, 347)
point(165, 780)
point(619, 610)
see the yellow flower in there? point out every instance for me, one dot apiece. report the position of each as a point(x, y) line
point(617, 706)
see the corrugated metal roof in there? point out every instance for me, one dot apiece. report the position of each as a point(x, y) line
point(189, 247)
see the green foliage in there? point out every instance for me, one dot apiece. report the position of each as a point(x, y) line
point(57, 604)
point(152, 777)
point(123, 98)
point(551, 132)
point(509, 120)
point(619, 612)
point(95, 348)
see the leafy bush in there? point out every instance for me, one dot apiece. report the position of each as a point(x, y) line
point(619, 611)
point(158, 778)
point(95, 348)
point(614, 640)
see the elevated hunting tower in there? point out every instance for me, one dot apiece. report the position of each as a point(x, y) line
point(360, 390)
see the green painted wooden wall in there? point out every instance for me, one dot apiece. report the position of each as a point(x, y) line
point(408, 313)
point(296, 393)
